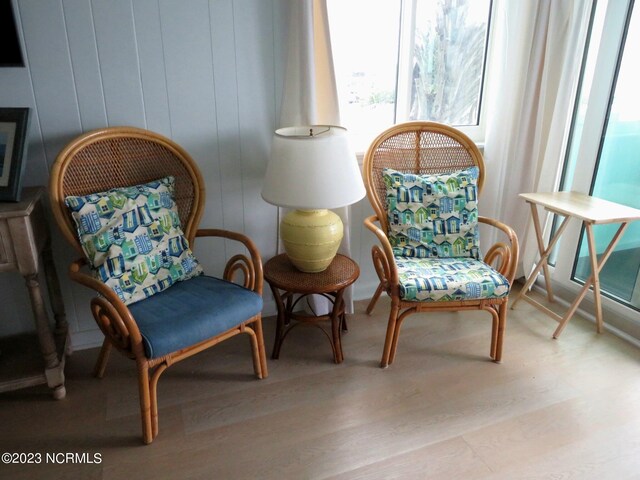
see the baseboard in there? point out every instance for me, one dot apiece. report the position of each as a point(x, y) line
point(365, 290)
point(86, 339)
point(269, 309)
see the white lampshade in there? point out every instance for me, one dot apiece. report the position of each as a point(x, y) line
point(312, 167)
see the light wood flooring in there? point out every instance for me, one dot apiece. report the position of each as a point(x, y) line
point(567, 408)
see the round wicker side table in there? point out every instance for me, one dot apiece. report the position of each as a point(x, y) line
point(287, 282)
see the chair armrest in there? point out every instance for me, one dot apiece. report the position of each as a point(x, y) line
point(252, 269)
point(383, 259)
point(111, 314)
point(506, 255)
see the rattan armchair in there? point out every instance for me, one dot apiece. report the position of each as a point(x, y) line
point(429, 148)
point(124, 156)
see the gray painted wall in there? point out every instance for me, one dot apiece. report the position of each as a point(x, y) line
point(206, 73)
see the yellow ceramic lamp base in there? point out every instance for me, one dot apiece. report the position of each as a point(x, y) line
point(311, 238)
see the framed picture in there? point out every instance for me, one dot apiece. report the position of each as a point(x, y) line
point(14, 123)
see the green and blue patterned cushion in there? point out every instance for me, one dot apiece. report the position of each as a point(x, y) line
point(433, 215)
point(449, 279)
point(133, 239)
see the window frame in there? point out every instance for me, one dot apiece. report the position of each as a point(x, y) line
point(406, 25)
point(406, 47)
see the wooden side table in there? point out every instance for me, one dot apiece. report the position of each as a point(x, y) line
point(591, 211)
point(281, 275)
point(24, 238)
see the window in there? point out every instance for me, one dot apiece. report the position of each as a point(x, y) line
point(616, 175)
point(405, 60)
point(602, 154)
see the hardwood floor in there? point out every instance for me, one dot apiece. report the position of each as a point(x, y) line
point(566, 408)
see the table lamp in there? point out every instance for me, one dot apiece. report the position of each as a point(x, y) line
point(312, 169)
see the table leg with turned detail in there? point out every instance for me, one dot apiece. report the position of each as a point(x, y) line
point(61, 332)
point(54, 366)
point(24, 240)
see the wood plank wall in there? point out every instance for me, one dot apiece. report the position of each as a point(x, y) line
point(206, 73)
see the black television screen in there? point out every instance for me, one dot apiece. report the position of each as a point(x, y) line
point(10, 52)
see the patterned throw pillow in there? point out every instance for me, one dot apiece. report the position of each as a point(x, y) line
point(433, 215)
point(133, 239)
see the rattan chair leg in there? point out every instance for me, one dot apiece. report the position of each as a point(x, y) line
point(153, 397)
point(396, 336)
point(374, 299)
point(495, 321)
point(255, 351)
point(396, 333)
point(145, 402)
point(103, 359)
point(257, 327)
point(502, 323)
point(391, 328)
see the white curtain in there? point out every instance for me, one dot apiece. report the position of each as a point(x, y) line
point(532, 82)
point(310, 95)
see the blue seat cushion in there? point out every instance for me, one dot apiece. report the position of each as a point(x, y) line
point(192, 311)
point(449, 279)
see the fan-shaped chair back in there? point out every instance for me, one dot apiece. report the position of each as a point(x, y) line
point(417, 147)
point(122, 156)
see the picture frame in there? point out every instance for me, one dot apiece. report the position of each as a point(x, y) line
point(14, 125)
point(11, 51)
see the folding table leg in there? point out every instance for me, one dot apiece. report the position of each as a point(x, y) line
point(594, 278)
point(544, 254)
